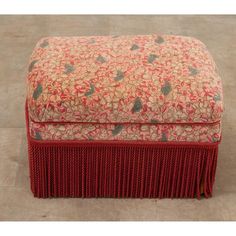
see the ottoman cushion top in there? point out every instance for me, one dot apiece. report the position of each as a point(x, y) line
point(123, 79)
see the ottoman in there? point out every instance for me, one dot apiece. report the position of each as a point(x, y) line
point(123, 116)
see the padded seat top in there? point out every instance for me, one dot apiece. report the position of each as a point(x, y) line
point(123, 79)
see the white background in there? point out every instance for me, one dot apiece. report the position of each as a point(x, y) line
point(117, 7)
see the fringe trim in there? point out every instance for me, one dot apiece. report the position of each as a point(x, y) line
point(122, 171)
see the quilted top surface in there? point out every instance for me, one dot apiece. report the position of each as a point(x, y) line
point(123, 79)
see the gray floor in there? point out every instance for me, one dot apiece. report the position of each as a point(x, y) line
point(18, 35)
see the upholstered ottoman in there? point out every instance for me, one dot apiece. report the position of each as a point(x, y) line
point(123, 116)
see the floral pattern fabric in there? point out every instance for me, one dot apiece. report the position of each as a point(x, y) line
point(147, 132)
point(144, 87)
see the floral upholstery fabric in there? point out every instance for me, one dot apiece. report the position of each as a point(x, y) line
point(145, 87)
point(147, 132)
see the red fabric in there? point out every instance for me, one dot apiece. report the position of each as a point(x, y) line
point(134, 79)
point(121, 169)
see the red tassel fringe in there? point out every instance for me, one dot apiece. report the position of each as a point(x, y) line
point(121, 169)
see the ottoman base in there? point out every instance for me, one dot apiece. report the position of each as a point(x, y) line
point(127, 169)
point(121, 169)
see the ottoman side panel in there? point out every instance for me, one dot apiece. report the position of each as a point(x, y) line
point(121, 169)
point(131, 171)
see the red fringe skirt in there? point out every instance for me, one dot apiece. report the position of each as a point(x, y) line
point(121, 169)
